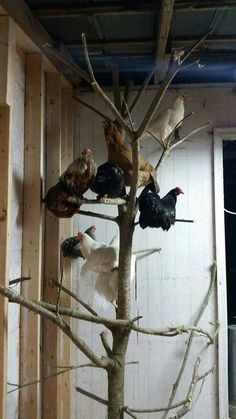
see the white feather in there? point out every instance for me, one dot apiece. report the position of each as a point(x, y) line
point(87, 245)
point(164, 124)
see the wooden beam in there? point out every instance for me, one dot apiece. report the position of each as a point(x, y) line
point(23, 16)
point(63, 343)
point(129, 8)
point(167, 8)
point(32, 236)
point(7, 83)
point(136, 43)
point(51, 245)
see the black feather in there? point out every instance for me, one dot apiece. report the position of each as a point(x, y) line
point(156, 212)
point(109, 181)
point(71, 246)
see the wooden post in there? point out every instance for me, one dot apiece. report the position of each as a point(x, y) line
point(7, 74)
point(51, 245)
point(32, 236)
point(63, 347)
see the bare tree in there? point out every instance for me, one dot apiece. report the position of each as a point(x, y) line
point(121, 327)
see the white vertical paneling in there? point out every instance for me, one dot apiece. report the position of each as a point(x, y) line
point(172, 284)
point(16, 229)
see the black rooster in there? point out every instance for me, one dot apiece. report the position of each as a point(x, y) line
point(109, 181)
point(157, 212)
point(71, 246)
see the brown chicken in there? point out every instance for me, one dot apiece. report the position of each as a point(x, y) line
point(56, 201)
point(80, 174)
point(119, 154)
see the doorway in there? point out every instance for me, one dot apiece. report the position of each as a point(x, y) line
point(229, 165)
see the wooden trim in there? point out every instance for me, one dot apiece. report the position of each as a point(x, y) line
point(63, 343)
point(32, 236)
point(219, 134)
point(51, 244)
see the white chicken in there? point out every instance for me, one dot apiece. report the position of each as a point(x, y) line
point(102, 259)
point(165, 123)
point(88, 244)
point(104, 262)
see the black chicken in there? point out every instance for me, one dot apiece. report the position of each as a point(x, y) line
point(56, 201)
point(71, 246)
point(157, 212)
point(109, 181)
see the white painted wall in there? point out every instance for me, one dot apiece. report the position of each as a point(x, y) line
point(16, 230)
point(172, 284)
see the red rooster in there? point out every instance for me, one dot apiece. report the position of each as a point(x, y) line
point(80, 174)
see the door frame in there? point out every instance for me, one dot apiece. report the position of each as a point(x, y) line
point(220, 135)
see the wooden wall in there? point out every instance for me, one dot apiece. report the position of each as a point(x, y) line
point(16, 229)
point(170, 285)
point(24, 145)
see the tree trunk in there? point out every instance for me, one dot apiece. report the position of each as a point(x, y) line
point(116, 375)
point(121, 337)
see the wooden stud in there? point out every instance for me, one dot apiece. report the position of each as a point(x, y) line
point(63, 344)
point(4, 246)
point(51, 245)
point(7, 81)
point(32, 236)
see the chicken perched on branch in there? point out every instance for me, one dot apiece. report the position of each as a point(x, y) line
point(109, 181)
point(119, 154)
point(88, 244)
point(71, 246)
point(157, 212)
point(56, 201)
point(80, 174)
point(165, 123)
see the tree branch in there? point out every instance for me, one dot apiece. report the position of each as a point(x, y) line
point(169, 147)
point(18, 280)
point(127, 324)
point(30, 383)
point(195, 379)
point(74, 296)
point(190, 340)
point(92, 396)
point(41, 310)
point(102, 94)
point(175, 67)
point(92, 108)
point(97, 215)
point(104, 200)
point(103, 336)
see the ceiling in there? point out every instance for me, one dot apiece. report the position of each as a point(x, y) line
point(134, 36)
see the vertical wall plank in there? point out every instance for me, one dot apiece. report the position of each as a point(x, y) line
point(51, 248)
point(32, 236)
point(7, 75)
point(4, 246)
point(63, 351)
